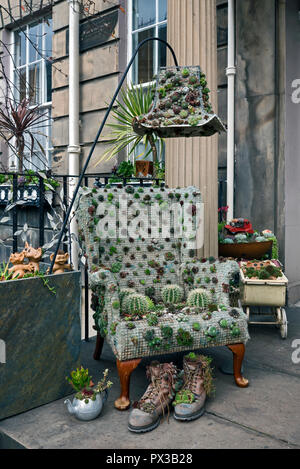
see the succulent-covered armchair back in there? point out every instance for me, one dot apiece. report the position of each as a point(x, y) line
point(140, 234)
point(218, 276)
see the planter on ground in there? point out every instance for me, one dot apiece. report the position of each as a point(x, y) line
point(42, 336)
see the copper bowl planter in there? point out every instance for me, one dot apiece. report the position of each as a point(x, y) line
point(245, 250)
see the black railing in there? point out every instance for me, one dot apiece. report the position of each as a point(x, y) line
point(22, 194)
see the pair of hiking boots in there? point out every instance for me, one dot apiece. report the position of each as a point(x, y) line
point(187, 390)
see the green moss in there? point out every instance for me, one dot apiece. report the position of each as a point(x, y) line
point(196, 326)
point(116, 305)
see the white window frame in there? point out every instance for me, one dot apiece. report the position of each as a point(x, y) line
point(130, 45)
point(131, 31)
point(44, 105)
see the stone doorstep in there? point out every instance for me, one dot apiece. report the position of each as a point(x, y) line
point(256, 417)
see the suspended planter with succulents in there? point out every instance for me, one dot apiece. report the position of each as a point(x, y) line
point(181, 107)
point(134, 101)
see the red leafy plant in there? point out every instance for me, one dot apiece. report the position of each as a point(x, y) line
point(17, 121)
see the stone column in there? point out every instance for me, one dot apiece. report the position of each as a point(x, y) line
point(194, 161)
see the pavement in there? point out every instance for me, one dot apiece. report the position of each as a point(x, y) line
point(264, 415)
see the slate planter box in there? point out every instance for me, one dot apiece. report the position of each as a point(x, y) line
point(42, 336)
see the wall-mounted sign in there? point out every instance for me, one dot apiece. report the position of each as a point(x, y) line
point(95, 31)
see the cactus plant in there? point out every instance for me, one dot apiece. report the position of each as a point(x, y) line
point(125, 292)
point(198, 297)
point(172, 294)
point(135, 304)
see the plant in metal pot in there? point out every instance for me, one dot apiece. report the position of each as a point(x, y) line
point(133, 102)
point(88, 402)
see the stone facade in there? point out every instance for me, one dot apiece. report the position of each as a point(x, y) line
point(99, 73)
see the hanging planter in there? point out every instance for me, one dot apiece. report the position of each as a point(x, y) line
point(181, 106)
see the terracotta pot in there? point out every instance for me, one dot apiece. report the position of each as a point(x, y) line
point(143, 168)
point(245, 250)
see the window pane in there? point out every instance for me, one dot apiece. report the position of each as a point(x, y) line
point(35, 42)
point(143, 69)
point(40, 131)
point(20, 84)
point(35, 88)
point(162, 10)
point(143, 13)
point(20, 48)
point(162, 49)
point(48, 81)
point(222, 25)
point(48, 37)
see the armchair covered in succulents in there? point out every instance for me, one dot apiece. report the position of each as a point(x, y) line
point(150, 294)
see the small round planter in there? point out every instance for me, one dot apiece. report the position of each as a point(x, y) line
point(245, 250)
point(86, 411)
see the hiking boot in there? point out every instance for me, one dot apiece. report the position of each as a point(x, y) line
point(147, 412)
point(197, 383)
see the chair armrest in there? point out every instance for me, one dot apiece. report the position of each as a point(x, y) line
point(104, 278)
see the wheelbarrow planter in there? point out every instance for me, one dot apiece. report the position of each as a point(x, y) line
point(40, 336)
point(265, 293)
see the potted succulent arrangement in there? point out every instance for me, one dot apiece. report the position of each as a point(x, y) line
point(238, 239)
point(40, 326)
point(134, 101)
point(28, 188)
point(88, 401)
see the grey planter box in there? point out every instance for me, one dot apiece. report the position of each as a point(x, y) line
point(41, 335)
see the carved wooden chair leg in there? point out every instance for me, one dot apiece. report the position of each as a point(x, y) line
point(125, 369)
point(238, 351)
point(99, 347)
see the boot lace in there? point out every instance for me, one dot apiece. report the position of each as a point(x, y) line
point(161, 386)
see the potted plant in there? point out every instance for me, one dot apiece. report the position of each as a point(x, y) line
point(28, 190)
point(134, 101)
point(41, 328)
point(88, 401)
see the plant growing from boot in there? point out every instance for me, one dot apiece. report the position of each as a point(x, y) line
point(172, 294)
point(198, 298)
point(184, 396)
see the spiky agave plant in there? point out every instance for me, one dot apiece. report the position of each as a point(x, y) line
point(133, 102)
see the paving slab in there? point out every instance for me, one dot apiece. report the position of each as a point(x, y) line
point(265, 415)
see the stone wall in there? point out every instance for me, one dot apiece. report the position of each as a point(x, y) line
point(292, 145)
point(259, 167)
point(99, 75)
